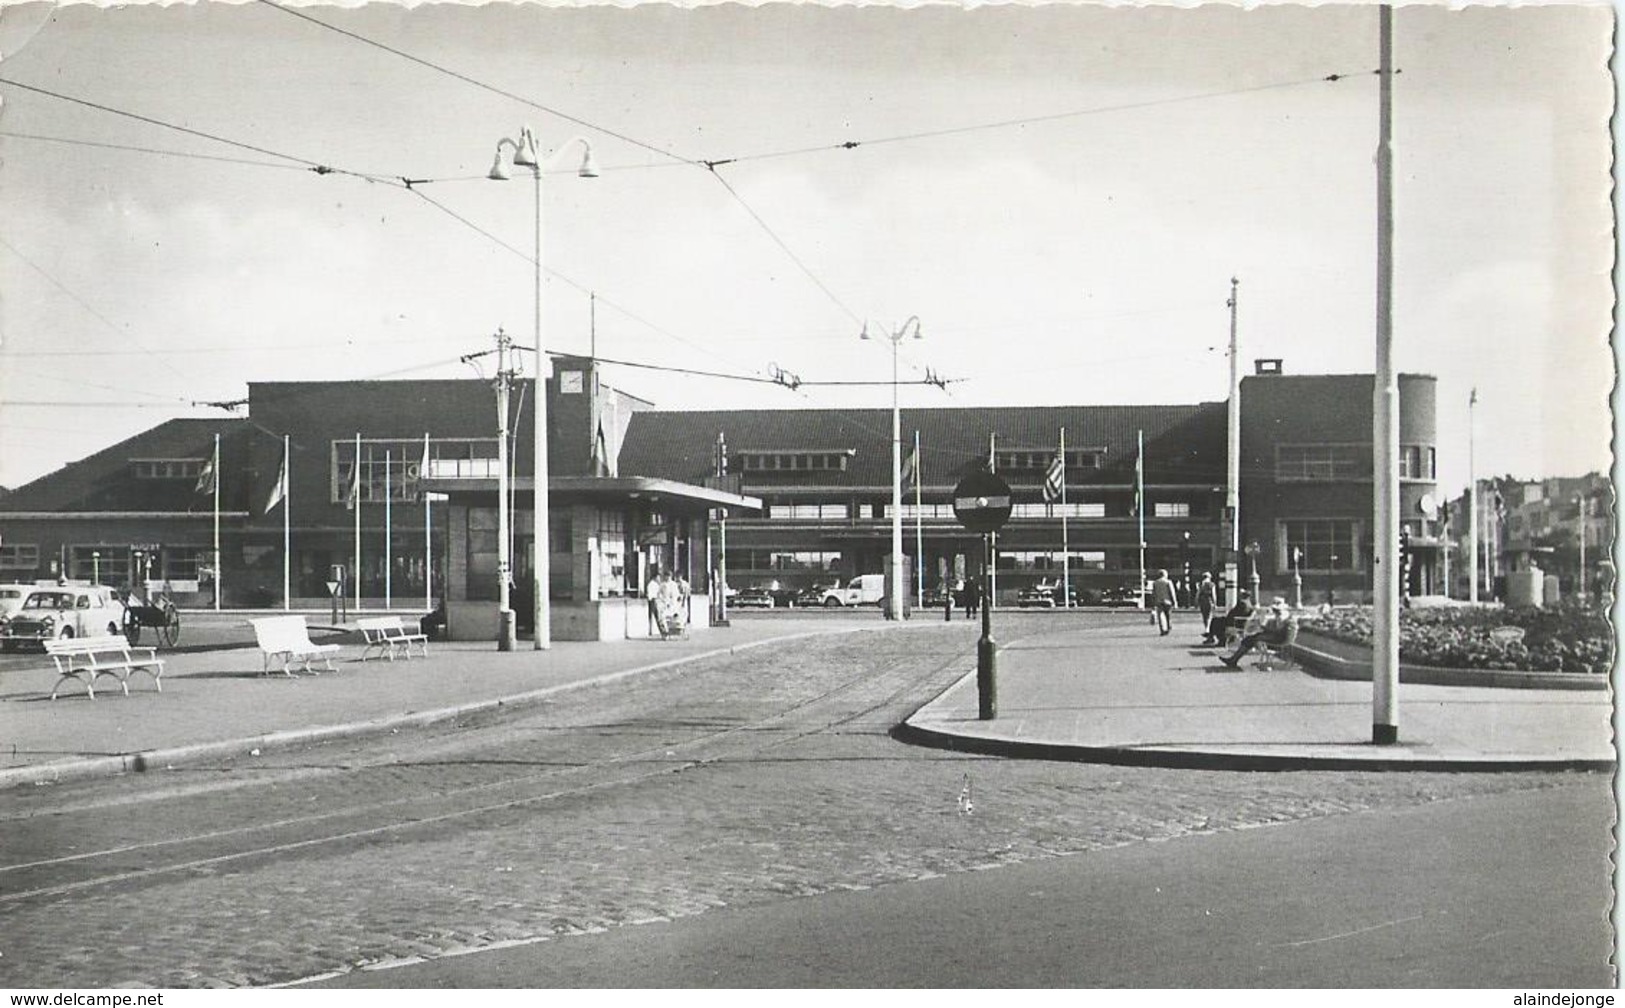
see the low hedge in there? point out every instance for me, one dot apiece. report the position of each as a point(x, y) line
point(1566, 638)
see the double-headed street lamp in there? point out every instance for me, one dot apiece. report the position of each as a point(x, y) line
point(526, 155)
point(895, 600)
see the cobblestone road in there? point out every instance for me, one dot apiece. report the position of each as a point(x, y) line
point(761, 777)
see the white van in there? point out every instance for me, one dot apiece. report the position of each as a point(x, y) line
point(865, 589)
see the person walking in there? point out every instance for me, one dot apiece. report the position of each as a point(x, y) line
point(1206, 595)
point(651, 592)
point(973, 597)
point(1163, 600)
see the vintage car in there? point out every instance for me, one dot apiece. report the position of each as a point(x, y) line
point(752, 598)
point(63, 611)
point(1043, 595)
point(1122, 595)
point(11, 600)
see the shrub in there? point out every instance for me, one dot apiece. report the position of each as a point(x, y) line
point(1565, 638)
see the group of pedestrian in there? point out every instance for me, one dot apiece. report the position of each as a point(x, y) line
point(667, 595)
point(1274, 626)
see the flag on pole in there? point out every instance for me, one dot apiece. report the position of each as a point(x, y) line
point(1055, 479)
point(352, 496)
point(911, 468)
point(1139, 485)
point(206, 479)
point(280, 490)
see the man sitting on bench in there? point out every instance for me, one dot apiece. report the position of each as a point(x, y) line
point(1277, 628)
point(1237, 617)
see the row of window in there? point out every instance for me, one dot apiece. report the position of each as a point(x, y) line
point(826, 461)
point(841, 512)
point(391, 467)
point(108, 563)
point(1030, 460)
point(1320, 463)
point(167, 469)
point(783, 560)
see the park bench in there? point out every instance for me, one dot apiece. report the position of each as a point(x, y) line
point(287, 638)
point(86, 658)
point(1269, 655)
point(387, 634)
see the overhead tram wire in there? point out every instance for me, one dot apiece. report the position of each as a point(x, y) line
point(711, 165)
point(466, 79)
point(309, 165)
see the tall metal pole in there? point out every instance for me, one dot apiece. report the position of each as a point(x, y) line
point(1385, 432)
point(1581, 500)
point(216, 562)
point(389, 532)
point(919, 530)
point(895, 603)
point(287, 527)
point(541, 616)
point(355, 485)
point(1139, 508)
point(1066, 550)
point(1472, 502)
point(1232, 485)
point(505, 618)
point(428, 531)
point(987, 704)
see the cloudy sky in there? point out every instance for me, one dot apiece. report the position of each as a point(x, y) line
point(1059, 193)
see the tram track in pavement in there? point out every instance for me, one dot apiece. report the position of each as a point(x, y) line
point(686, 744)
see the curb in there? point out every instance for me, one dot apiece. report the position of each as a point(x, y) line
point(1325, 665)
point(160, 759)
point(910, 733)
point(1196, 759)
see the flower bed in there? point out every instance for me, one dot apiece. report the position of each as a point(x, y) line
point(1561, 639)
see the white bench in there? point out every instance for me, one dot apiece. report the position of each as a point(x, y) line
point(86, 658)
point(287, 638)
point(387, 634)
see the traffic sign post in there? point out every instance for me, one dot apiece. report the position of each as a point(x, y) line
point(982, 504)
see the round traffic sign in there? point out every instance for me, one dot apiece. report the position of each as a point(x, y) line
point(982, 502)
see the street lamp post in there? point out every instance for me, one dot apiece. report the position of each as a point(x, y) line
point(894, 601)
point(95, 566)
point(526, 155)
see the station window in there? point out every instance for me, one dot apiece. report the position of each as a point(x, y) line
point(19, 556)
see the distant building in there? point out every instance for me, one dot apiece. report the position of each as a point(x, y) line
point(807, 495)
point(1538, 522)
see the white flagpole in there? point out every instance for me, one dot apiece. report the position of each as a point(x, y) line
point(428, 532)
point(919, 533)
point(216, 563)
point(1066, 558)
point(388, 546)
point(287, 530)
point(993, 537)
point(355, 484)
point(1139, 504)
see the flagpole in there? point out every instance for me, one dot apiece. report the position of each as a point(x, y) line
point(919, 533)
point(287, 530)
point(1066, 566)
point(428, 532)
point(355, 503)
point(1139, 506)
point(216, 564)
point(388, 546)
point(992, 537)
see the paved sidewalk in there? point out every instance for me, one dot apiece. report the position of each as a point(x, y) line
point(1074, 690)
point(216, 704)
point(1122, 694)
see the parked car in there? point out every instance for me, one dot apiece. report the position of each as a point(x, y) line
point(938, 596)
point(865, 589)
point(11, 600)
point(752, 598)
point(64, 611)
point(812, 596)
point(1043, 595)
point(1122, 595)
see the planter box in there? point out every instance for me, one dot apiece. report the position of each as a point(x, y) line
point(1334, 659)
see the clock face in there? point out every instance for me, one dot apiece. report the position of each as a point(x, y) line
point(569, 381)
